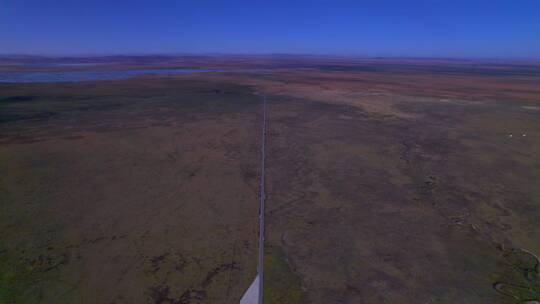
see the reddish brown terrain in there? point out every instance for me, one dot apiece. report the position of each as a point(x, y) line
point(388, 181)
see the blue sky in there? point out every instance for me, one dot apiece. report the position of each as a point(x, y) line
point(427, 28)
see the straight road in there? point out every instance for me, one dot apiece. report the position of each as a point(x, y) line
point(261, 211)
point(255, 292)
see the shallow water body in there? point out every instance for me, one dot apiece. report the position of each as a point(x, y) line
point(76, 76)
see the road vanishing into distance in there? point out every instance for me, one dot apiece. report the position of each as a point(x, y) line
point(261, 211)
point(254, 294)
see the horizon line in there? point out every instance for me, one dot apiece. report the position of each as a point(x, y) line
point(269, 54)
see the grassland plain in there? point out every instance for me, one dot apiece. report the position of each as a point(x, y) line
point(402, 186)
point(388, 182)
point(128, 192)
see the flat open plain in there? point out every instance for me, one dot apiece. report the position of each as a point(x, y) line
point(387, 181)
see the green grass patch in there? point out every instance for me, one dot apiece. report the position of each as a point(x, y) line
point(17, 279)
point(521, 280)
point(281, 285)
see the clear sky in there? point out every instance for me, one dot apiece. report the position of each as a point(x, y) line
point(426, 28)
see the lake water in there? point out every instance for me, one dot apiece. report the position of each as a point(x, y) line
point(47, 77)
